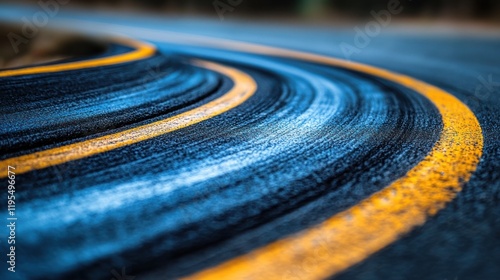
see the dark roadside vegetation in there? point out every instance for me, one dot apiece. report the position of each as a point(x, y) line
point(484, 10)
point(46, 46)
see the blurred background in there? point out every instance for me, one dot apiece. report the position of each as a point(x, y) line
point(482, 10)
point(346, 13)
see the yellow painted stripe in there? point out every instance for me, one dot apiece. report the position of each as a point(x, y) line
point(244, 87)
point(141, 51)
point(351, 236)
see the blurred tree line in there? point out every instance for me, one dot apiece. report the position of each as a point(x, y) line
point(485, 9)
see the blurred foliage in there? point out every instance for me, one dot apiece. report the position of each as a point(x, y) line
point(46, 46)
point(487, 9)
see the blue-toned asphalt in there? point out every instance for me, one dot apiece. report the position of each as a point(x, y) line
point(311, 142)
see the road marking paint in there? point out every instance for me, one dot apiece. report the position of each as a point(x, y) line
point(141, 51)
point(244, 87)
point(353, 235)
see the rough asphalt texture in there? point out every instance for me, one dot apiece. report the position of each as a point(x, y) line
point(312, 141)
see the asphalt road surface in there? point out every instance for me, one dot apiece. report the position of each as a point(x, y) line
point(200, 149)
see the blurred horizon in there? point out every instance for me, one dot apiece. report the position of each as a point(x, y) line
point(430, 15)
point(324, 10)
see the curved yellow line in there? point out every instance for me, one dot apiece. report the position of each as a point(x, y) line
point(351, 236)
point(244, 87)
point(141, 51)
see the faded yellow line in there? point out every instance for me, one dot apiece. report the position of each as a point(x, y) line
point(141, 51)
point(353, 235)
point(244, 87)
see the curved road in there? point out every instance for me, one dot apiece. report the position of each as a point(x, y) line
point(249, 152)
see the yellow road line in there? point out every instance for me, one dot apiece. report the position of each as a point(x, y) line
point(141, 51)
point(244, 87)
point(351, 236)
